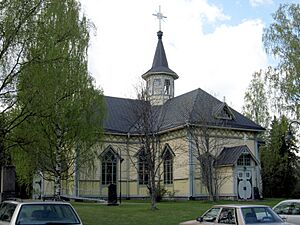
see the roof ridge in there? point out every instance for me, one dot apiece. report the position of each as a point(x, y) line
point(132, 99)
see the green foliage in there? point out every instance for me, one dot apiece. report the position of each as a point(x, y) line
point(256, 105)
point(279, 162)
point(67, 110)
point(16, 26)
point(282, 40)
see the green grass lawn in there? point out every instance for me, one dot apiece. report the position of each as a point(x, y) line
point(139, 213)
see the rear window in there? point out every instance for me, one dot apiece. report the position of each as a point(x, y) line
point(260, 215)
point(7, 211)
point(44, 213)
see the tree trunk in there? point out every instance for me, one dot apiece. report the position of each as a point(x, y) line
point(57, 179)
point(58, 156)
point(153, 191)
point(153, 198)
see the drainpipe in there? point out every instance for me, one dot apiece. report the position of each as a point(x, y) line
point(191, 166)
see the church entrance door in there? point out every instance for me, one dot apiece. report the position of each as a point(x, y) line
point(244, 184)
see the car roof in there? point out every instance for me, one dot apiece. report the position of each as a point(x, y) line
point(33, 202)
point(290, 200)
point(239, 206)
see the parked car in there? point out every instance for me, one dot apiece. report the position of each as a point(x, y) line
point(238, 214)
point(289, 210)
point(38, 213)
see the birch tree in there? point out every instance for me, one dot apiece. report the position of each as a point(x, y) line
point(256, 103)
point(16, 26)
point(282, 40)
point(57, 88)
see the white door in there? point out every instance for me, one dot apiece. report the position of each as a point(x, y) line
point(244, 184)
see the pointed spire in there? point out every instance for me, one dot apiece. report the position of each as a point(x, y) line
point(160, 62)
point(160, 58)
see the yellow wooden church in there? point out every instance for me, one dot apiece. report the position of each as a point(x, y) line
point(182, 125)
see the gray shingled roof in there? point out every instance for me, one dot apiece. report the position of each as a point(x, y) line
point(160, 62)
point(230, 155)
point(193, 108)
point(199, 107)
point(120, 114)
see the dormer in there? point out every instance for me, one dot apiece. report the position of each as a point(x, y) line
point(223, 112)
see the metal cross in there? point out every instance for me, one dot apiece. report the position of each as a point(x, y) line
point(160, 17)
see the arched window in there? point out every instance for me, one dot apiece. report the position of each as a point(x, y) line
point(109, 167)
point(168, 156)
point(143, 167)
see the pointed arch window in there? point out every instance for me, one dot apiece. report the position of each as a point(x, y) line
point(168, 158)
point(143, 167)
point(109, 167)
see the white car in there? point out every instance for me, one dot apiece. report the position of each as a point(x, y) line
point(289, 210)
point(238, 215)
point(38, 213)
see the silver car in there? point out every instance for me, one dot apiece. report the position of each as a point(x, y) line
point(289, 210)
point(239, 215)
point(38, 213)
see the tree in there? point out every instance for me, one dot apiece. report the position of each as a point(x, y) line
point(279, 161)
point(56, 87)
point(147, 155)
point(16, 26)
point(282, 40)
point(206, 146)
point(256, 104)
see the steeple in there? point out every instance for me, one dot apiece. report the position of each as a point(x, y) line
point(160, 78)
point(160, 62)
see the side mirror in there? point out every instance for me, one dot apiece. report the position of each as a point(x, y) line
point(284, 218)
point(199, 219)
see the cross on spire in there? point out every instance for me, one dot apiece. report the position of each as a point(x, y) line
point(160, 17)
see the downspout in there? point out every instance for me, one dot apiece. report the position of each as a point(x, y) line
point(191, 165)
point(128, 168)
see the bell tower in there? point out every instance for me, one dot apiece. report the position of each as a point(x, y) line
point(160, 78)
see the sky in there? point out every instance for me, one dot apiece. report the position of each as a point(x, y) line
point(215, 45)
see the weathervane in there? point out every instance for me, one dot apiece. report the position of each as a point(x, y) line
point(160, 17)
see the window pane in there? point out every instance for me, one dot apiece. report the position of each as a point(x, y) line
point(211, 215)
point(168, 171)
point(7, 211)
point(227, 216)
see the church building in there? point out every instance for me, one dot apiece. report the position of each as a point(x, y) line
point(190, 130)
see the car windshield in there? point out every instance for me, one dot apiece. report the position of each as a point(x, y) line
point(47, 214)
point(260, 215)
point(7, 211)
